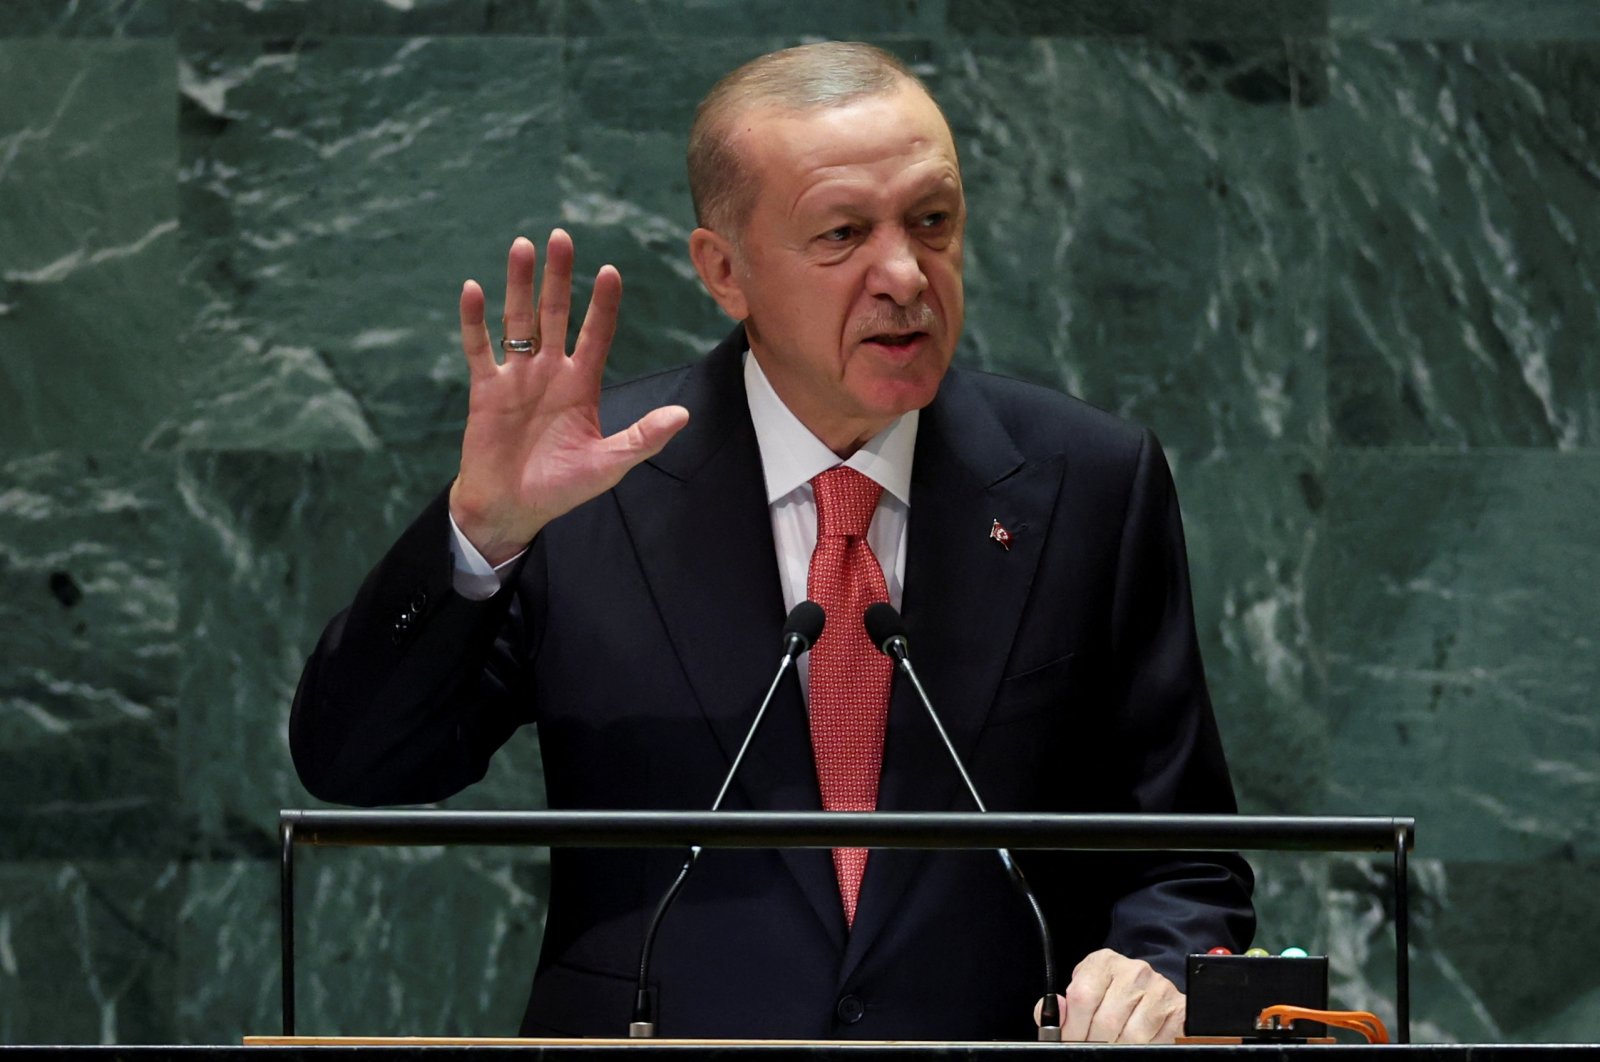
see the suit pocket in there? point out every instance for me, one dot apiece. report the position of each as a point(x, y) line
point(569, 1001)
point(1030, 692)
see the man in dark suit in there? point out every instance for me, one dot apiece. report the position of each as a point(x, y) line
point(1032, 542)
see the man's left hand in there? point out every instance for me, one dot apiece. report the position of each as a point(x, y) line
point(1117, 1000)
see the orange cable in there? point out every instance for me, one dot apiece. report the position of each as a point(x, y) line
point(1364, 1022)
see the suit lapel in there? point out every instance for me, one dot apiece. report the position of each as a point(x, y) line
point(698, 518)
point(964, 596)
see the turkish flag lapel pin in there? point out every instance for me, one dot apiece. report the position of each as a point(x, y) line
point(998, 533)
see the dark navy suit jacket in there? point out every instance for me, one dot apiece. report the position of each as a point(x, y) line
point(640, 631)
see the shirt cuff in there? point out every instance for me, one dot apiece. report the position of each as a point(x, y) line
point(474, 578)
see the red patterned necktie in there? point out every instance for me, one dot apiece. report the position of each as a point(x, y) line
point(849, 677)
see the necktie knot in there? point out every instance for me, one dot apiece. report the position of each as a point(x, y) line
point(846, 500)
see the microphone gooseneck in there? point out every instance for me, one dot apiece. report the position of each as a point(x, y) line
point(887, 630)
point(800, 632)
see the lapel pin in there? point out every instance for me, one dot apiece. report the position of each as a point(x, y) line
point(1000, 535)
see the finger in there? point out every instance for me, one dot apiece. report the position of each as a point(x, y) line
point(599, 321)
point(1111, 1016)
point(1075, 1023)
point(555, 291)
point(1136, 1003)
point(1157, 1018)
point(1144, 1019)
point(474, 334)
point(1084, 993)
point(1172, 1028)
point(518, 321)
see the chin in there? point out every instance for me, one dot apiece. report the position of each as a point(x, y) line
point(899, 397)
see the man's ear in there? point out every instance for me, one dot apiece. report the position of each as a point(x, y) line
point(714, 259)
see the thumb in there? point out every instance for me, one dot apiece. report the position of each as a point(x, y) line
point(656, 428)
point(645, 437)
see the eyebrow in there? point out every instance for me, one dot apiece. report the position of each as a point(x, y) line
point(946, 184)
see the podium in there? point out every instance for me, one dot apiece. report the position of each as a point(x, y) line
point(924, 830)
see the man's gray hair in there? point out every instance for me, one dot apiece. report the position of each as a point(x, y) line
point(811, 76)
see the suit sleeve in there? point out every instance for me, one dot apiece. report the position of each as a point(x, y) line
point(1165, 741)
point(412, 688)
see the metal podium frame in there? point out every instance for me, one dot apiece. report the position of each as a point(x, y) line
point(874, 829)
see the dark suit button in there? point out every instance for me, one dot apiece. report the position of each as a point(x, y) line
point(850, 1009)
point(419, 601)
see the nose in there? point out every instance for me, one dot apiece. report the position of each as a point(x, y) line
point(896, 273)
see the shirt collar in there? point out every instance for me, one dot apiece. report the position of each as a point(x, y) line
point(791, 456)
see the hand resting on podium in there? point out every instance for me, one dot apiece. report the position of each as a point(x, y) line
point(1117, 1000)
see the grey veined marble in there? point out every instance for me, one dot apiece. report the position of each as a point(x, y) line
point(1464, 298)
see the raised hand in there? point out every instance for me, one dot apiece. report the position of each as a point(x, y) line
point(532, 448)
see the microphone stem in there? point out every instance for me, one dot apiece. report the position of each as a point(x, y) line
point(643, 1025)
point(644, 1018)
point(897, 649)
point(922, 695)
point(789, 653)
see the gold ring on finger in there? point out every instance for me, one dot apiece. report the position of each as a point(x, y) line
point(517, 346)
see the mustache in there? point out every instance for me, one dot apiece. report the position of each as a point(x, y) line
point(918, 317)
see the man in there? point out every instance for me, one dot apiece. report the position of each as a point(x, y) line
point(1032, 543)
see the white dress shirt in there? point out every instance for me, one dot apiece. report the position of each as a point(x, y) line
point(790, 458)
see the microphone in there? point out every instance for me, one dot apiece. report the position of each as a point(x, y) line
point(888, 632)
point(800, 632)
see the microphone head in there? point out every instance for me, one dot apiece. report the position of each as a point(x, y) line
point(804, 623)
point(884, 625)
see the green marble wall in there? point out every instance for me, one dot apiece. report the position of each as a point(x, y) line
point(1341, 254)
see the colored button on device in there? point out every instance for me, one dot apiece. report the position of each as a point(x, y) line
point(1293, 953)
point(1220, 951)
point(1258, 953)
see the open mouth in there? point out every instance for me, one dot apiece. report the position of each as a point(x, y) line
point(896, 339)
